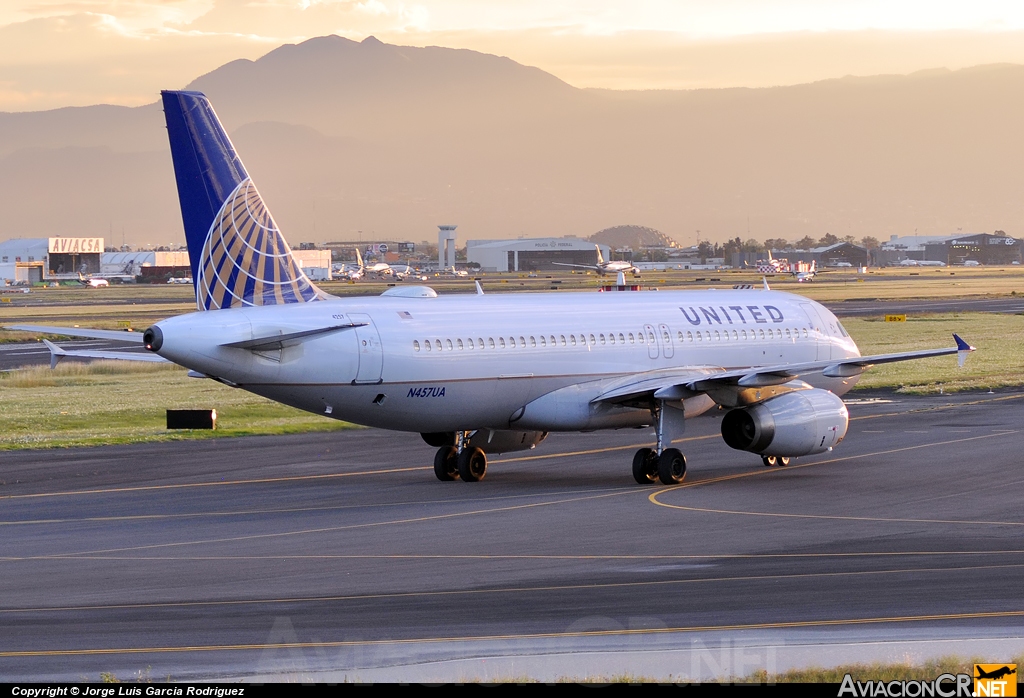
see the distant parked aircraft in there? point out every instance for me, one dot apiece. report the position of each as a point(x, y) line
point(602, 267)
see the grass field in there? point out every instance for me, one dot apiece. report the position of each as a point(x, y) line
point(113, 402)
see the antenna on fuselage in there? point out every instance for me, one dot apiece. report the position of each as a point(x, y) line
point(766, 286)
point(479, 288)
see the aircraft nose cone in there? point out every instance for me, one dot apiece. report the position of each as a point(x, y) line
point(153, 338)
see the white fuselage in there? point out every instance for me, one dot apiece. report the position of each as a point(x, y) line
point(466, 362)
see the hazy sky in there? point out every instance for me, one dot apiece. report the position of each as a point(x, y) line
point(74, 52)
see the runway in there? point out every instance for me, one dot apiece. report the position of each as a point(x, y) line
point(334, 557)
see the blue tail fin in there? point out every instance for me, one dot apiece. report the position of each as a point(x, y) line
point(238, 255)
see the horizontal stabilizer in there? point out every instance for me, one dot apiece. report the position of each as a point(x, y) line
point(56, 354)
point(117, 335)
point(277, 341)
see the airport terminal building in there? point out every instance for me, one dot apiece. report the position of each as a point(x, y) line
point(532, 254)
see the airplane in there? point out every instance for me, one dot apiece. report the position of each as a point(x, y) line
point(772, 265)
point(802, 276)
point(921, 263)
point(491, 373)
point(347, 272)
point(602, 267)
point(995, 674)
point(93, 281)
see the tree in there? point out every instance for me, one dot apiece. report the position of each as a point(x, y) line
point(806, 243)
point(869, 243)
point(705, 249)
point(850, 239)
point(752, 245)
point(776, 244)
point(827, 239)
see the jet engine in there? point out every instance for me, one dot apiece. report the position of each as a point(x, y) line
point(491, 440)
point(799, 423)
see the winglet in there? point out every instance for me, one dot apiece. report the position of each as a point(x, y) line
point(56, 353)
point(962, 350)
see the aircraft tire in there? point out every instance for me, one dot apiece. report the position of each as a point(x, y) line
point(446, 464)
point(783, 460)
point(770, 461)
point(645, 466)
point(671, 466)
point(472, 465)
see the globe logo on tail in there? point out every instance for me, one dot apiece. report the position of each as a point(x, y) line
point(246, 261)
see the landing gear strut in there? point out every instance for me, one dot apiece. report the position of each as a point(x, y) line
point(460, 461)
point(665, 464)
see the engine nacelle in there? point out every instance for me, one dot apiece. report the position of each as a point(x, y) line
point(799, 423)
point(490, 440)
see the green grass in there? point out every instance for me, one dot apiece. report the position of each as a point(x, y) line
point(113, 402)
point(997, 363)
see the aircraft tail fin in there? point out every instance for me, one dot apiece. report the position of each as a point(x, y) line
point(237, 254)
point(359, 260)
point(600, 257)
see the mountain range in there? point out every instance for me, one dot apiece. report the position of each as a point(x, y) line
point(367, 139)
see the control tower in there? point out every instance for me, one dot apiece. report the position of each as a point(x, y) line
point(446, 252)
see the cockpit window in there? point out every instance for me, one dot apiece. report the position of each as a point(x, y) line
point(842, 329)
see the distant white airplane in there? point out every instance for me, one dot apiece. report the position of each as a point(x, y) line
point(477, 374)
point(602, 267)
point(93, 281)
point(802, 276)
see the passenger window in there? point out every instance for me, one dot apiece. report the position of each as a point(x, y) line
point(563, 339)
point(631, 340)
point(622, 340)
point(490, 341)
point(761, 332)
point(415, 345)
point(689, 336)
point(469, 343)
point(449, 343)
point(533, 341)
point(592, 340)
point(666, 336)
point(718, 337)
point(542, 342)
point(735, 335)
point(426, 345)
point(572, 339)
point(512, 342)
point(522, 342)
point(552, 340)
point(611, 338)
point(699, 337)
point(437, 343)
point(460, 345)
point(501, 342)
point(602, 339)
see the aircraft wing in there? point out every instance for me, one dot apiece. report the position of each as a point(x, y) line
point(690, 382)
point(580, 266)
point(118, 335)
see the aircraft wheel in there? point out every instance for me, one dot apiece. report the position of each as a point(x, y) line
point(472, 465)
point(446, 464)
point(783, 460)
point(671, 466)
point(770, 461)
point(645, 466)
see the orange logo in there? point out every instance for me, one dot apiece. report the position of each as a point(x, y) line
point(995, 680)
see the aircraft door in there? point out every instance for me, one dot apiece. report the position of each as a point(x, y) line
point(819, 329)
point(371, 353)
point(667, 350)
point(652, 341)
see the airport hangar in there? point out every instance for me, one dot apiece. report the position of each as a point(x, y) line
point(533, 254)
point(55, 259)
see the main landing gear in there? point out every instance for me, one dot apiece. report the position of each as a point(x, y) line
point(665, 464)
point(772, 461)
point(460, 461)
